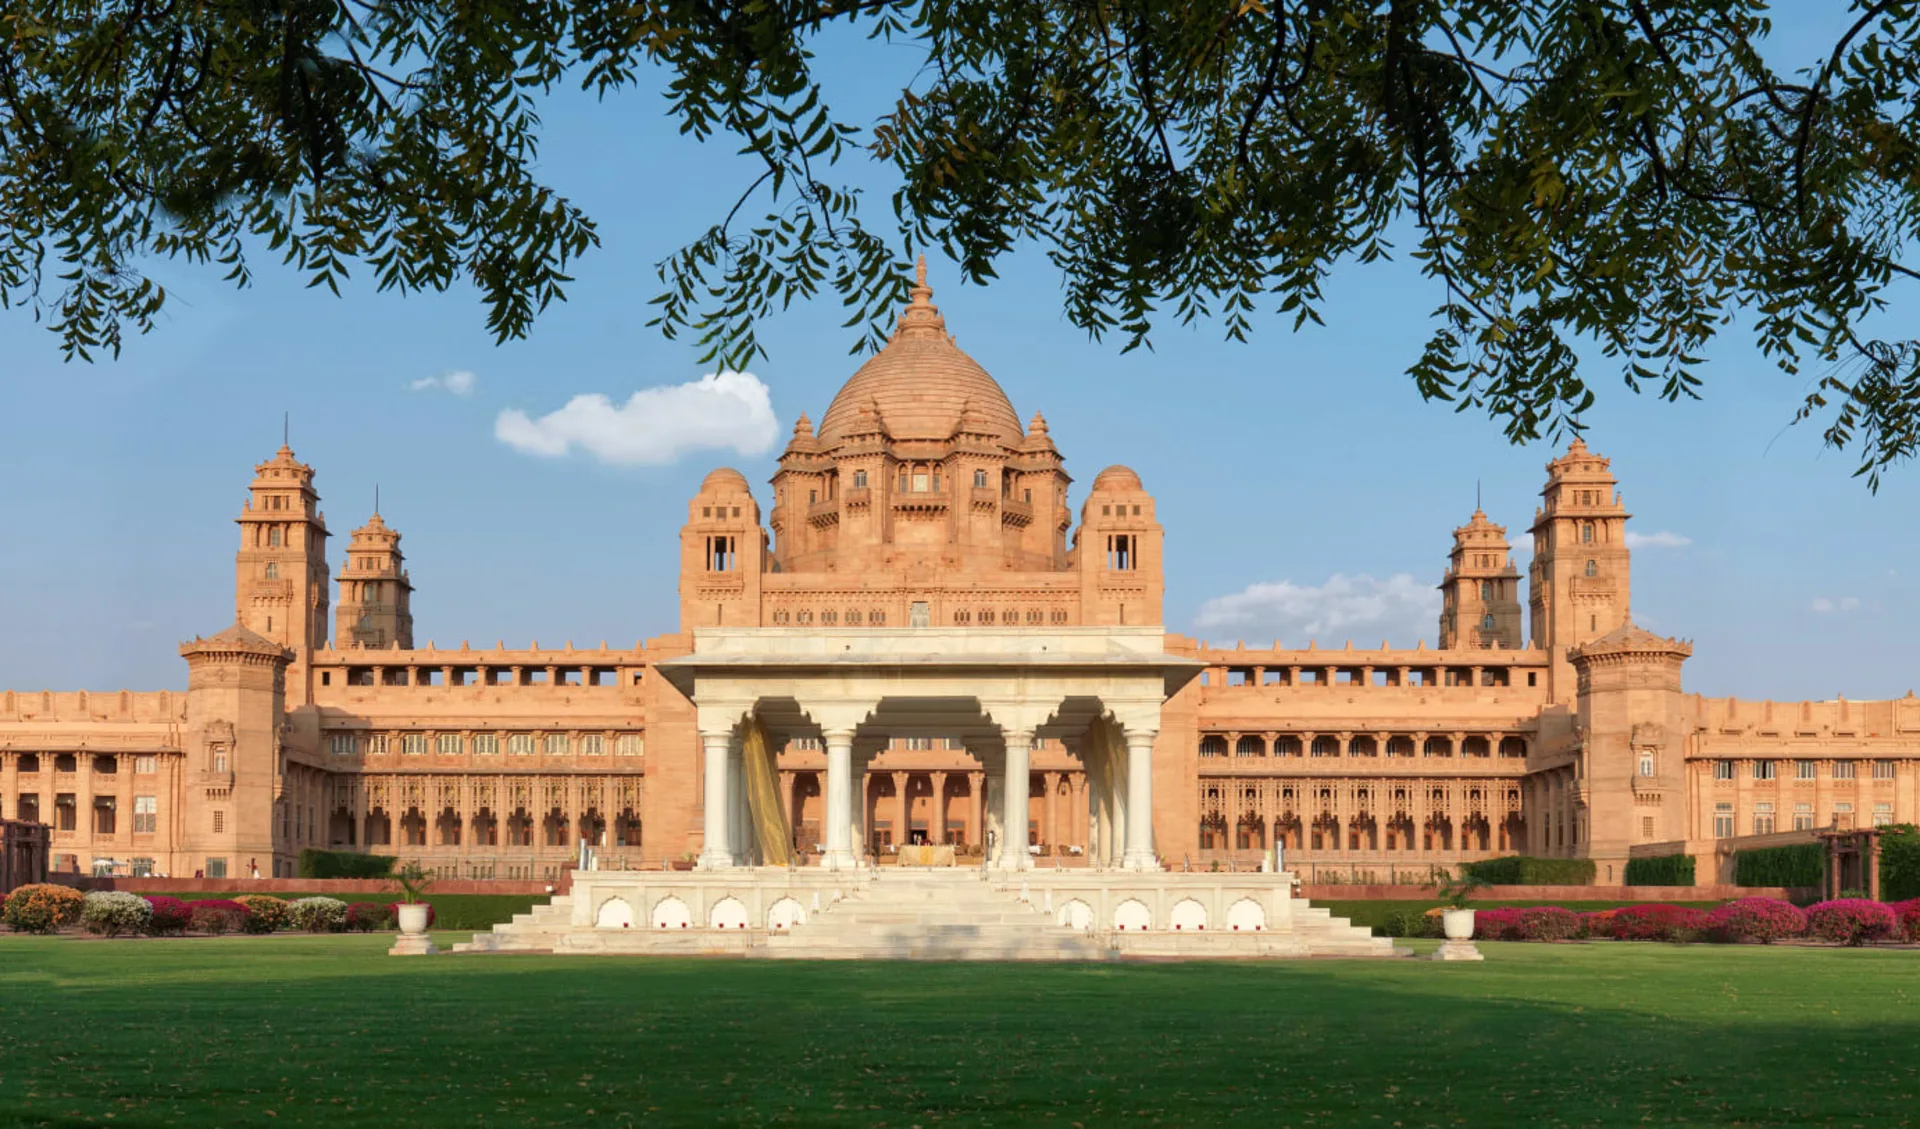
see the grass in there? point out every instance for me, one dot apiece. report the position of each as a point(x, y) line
point(328, 1031)
point(1373, 914)
point(474, 912)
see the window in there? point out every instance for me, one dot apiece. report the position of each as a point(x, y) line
point(919, 482)
point(486, 744)
point(219, 822)
point(1843, 770)
point(979, 480)
point(720, 554)
point(1723, 770)
point(1215, 746)
point(1486, 589)
point(1646, 829)
point(219, 760)
point(1486, 622)
point(1763, 770)
point(1843, 816)
point(1593, 568)
point(1803, 817)
point(558, 745)
point(921, 615)
point(64, 809)
point(273, 570)
point(629, 745)
point(27, 807)
point(340, 744)
point(216, 868)
point(593, 745)
point(1883, 770)
point(1586, 533)
point(447, 744)
point(1763, 818)
point(413, 745)
point(1803, 770)
point(146, 766)
point(520, 745)
point(1882, 814)
point(1723, 820)
point(1121, 552)
point(859, 480)
point(1646, 764)
point(146, 814)
point(377, 745)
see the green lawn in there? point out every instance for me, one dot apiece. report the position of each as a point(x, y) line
point(328, 1031)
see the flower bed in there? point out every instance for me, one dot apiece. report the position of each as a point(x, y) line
point(42, 907)
point(1759, 920)
point(217, 915)
point(1852, 921)
point(1674, 924)
point(318, 914)
point(265, 913)
point(109, 914)
point(170, 916)
point(368, 917)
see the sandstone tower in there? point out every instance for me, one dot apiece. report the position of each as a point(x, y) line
point(280, 572)
point(1579, 583)
point(376, 596)
point(1480, 594)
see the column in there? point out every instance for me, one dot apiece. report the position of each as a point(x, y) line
point(714, 852)
point(976, 808)
point(903, 811)
point(1140, 801)
point(9, 784)
point(839, 813)
point(1013, 815)
point(937, 809)
point(1051, 782)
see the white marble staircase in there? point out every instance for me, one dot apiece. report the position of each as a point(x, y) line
point(932, 915)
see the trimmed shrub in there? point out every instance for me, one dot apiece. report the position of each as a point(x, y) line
point(1764, 920)
point(342, 864)
point(170, 916)
point(1548, 923)
point(1907, 913)
point(1801, 864)
point(1674, 924)
point(317, 915)
point(109, 913)
point(1499, 923)
point(1852, 921)
point(367, 917)
point(1599, 922)
point(1666, 870)
point(1900, 862)
point(265, 913)
point(393, 911)
point(1522, 870)
point(42, 907)
point(217, 915)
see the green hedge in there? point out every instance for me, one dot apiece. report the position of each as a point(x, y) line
point(1900, 863)
point(1802, 864)
point(1522, 870)
point(343, 864)
point(1665, 870)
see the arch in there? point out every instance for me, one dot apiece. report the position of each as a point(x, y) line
point(1513, 746)
point(1363, 746)
point(1250, 834)
point(1486, 590)
point(446, 827)
point(1213, 745)
point(1593, 568)
point(1188, 916)
point(1586, 534)
point(1286, 745)
point(670, 913)
point(1246, 916)
point(1438, 746)
point(1475, 747)
point(1132, 916)
point(1400, 746)
point(1075, 914)
point(785, 914)
point(1250, 746)
point(1326, 746)
point(614, 913)
point(486, 828)
point(727, 913)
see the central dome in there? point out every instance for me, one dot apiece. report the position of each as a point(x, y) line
point(921, 382)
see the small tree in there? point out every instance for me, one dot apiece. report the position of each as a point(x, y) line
point(1456, 890)
point(413, 883)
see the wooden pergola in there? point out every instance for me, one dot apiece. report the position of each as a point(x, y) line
point(1853, 861)
point(24, 848)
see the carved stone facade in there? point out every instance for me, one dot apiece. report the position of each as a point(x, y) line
point(921, 509)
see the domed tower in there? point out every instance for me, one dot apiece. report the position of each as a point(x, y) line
point(1579, 584)
point(280, 572)
point(376, 596)
point(1118, 551)
point(1631, 767)
point(236, 711)
point(1480, 593)
point(722, 554)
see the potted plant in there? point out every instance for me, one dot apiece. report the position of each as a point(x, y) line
point(684, 862)
point(413, 912)
point(1456, 919)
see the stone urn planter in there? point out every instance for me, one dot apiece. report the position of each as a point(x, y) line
point(1457, 924)
point(413, 920)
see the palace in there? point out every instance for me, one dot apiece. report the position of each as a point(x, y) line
point(918, 644)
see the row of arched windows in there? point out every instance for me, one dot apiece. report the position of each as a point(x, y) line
point(1360, 745)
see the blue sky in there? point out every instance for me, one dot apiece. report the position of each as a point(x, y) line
point(1302, 462)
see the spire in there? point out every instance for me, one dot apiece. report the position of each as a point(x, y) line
point(376, 499)
point(921, 316)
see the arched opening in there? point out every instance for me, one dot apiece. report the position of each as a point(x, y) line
point(555, 828)
point(626, 828)
point(413, 828)
point(1250, 746)
point(1475, 747)
point(446, 828)
point(1326, 746)
point(1213, 745)
point(486, 829)
point(379, 828)
point(1400, 746)
point(1363, 746)
point(1437, 746)
point(520, 828)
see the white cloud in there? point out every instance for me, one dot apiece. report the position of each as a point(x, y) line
point(460, 382)
point(1399, 608)
point(1660, 540)
point(1824, 604)
point(729, 410)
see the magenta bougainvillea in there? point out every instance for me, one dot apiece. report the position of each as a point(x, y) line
point(1852, 921)
point(1763, 920)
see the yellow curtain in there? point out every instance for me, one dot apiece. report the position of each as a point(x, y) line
point(1102, 748)
point(768, 814)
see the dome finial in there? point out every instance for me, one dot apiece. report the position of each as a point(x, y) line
point(920, 272)
point(921, 313)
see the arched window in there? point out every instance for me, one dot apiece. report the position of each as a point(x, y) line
point(273, 571)
point(273, 538)
point(1486, 589)
point(1586, 533)
point(1486, 622)
point(1213, 746)
point(1593, 569)
point(1250, 746)
point(1324, 746)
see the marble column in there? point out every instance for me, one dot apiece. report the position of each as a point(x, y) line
point(839, 813)
point(1014, 814)
point(1140, 854)
point(976, 808)
point(715, 853)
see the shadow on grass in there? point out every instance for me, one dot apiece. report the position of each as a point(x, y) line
point(328, 1031)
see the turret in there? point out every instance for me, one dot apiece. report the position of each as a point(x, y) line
point(236, 711)
point(1579, 586)
point(376, 596)
point(280, 585)
point(1118, 551)
point(1480, 593)
point(722, 553)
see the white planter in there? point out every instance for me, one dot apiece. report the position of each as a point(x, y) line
point(1458, 924)
point(413, 919)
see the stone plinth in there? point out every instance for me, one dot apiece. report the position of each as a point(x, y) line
point(1457, 950)
point(412, 945)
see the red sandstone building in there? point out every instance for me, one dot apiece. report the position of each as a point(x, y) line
point(922, 505)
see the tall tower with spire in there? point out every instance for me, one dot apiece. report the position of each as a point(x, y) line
point(280, 572)
point(1480, 593)
point(1579, 585)
point(376, 597)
